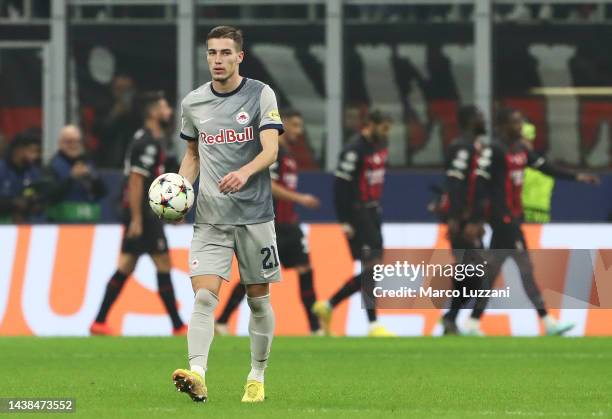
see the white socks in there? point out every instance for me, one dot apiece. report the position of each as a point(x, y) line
point(261, 331)
point(200, 370)
point(201, 330)
point(257, 375)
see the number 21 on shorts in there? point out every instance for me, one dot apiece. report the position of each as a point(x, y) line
point(270, 258)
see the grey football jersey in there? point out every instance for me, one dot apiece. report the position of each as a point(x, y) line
point(226, 127)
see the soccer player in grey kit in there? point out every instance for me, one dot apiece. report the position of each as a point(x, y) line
point(232, 126)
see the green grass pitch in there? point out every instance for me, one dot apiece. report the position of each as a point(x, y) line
point(320, 377)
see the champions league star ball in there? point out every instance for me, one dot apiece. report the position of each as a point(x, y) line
point(171, 196)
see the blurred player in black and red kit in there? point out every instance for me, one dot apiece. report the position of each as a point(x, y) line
point(143, 231)
point(499, 181)
point(465, 233)
point(292, 245)
point(359, 183)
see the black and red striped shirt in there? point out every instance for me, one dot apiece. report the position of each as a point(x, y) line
point(360, 176)
point(145, 156)
point(460, 169)
point(284, 171)
point(500, 175)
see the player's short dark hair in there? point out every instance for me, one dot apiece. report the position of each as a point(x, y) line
point(150, 99)
point(503, 116)
point(377, 117)
point(229, 32)
point(466, 114)
point(290, 113)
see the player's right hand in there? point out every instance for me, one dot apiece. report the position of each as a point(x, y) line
point(588, 179)
point(453, 226)
point(233, 181)
point(135, 228)
point(473, 232)
point(309, 201)
point(348, 230)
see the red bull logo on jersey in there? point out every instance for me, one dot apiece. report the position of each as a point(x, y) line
point(227, 136)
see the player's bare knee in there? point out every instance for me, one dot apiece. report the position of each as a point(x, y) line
point(162, 262)
point(211, 283)
point(257, 290)
point(127, 263)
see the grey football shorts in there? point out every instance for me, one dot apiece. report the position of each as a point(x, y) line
point(255, 247)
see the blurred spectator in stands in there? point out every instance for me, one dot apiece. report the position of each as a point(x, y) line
point(21, 191)
point(116, 123)
point(77, 189)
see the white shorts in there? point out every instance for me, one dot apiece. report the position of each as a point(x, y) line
point(213, 246)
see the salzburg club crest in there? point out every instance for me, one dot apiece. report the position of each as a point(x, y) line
point(243, 118)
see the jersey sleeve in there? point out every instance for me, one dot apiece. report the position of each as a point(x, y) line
point(540, 163)
point(143, 158)
point(489, 175)
point(275, 170)
point(270, 118)
point(490, 163)
point(457, 173)
point(346, 177)
point(348, 165)
point(188, 129)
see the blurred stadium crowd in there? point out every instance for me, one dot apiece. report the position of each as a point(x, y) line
point(519, 10)
point(431, 70)
point(68, 189)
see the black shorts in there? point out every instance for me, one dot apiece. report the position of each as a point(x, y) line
point(459, 243)
point(292, 245)
point(464, 251)
point(507, 235)
point(368, 239)
point(152, 241)
point(508, 241)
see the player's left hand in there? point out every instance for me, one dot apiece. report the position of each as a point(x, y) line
point(588, 178)
point(233, 181)
point(473, 232)
point(309, 201)
point(135, 228)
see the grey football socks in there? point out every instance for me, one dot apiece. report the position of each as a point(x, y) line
point(201, 329)
point(261, 331)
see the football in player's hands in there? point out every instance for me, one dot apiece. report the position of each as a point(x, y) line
point(171, 196)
